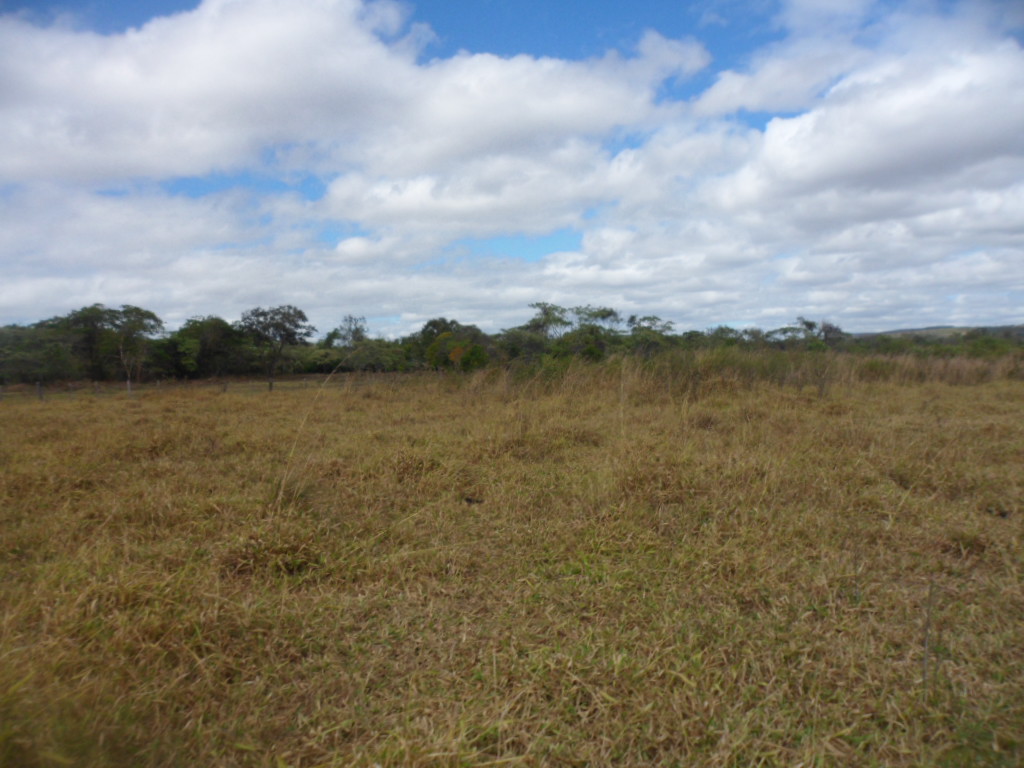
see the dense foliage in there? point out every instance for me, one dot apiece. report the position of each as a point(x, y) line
point(101, 344)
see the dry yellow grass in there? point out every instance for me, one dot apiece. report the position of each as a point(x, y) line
point(603, 568)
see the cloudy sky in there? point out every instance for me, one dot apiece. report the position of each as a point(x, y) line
point(734, 162)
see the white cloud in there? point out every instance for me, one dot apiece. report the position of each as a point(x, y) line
point(787, 78)
point(823, 16)
point(214, 88)
point(889, 185)
point(184, 95)
point(905, 121)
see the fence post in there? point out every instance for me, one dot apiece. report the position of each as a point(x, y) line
point(39, 390)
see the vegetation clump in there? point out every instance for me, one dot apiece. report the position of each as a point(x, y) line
point(129, 344)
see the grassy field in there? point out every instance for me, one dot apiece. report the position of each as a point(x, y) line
point(610, 566)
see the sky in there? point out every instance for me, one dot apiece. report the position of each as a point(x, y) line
point(737, 162)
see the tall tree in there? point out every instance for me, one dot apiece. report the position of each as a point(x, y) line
point(460, 352)
point(351, 331)
point(819, 335)
point(36, 353)
point(91, 331)
point(417, 344)
point(208, 346)
point(648, 333)
point(649, 323)
point(272, 331)
point(434, 328)
point(522, 344)
point(832, 334)
point(134, 328)
point(605, 317)
point(549, 321)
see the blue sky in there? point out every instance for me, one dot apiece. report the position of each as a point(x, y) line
point(717, 162)
point(573, 29)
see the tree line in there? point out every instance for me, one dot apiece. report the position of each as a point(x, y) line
point(131, 344)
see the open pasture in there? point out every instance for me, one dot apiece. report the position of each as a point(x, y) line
point(602, 567)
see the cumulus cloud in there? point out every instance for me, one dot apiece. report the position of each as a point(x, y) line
point(905, 121)
point(890, 160)
point(789, 78)
point(210, 89)
point(214, 88)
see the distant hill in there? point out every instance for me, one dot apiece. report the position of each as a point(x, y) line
point(953, 331)
point(932, 331)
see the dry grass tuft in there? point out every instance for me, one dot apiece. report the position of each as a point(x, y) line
point(716, 561)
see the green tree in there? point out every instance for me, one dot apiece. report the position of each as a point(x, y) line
point(90, 331)
point(436, 327)
point(418, 345)
point(603, 317)
point(723, 336)
point(982, 344)
point(649, 323)
point(786, 337)
point(755, 338)
point(134, 329)
point(591, 342)
point(832, 334)
point(364, 355)
point(550, 320)
point(459, 352)
point(522, 344)
point(648, 334)
point(693, 340)
point(351, 331)
point(809, 335)
point(208, 346)
point(376, 355)
point(35, 353)
point(272, 331)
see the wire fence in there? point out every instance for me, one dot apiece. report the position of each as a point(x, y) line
point(107, 389)
point(691, 370)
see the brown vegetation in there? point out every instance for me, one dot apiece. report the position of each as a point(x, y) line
point(612, 565)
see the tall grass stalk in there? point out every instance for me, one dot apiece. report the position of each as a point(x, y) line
point(927, 636)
